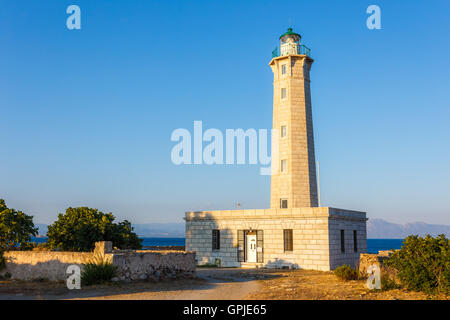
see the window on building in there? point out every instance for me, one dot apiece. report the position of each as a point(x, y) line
point(241, 245)
point(283, 93)
point(216, 239)
point(283, 131)
point(283, 165)
point(283, 203)
point(355, 241)
point(288, 240)
point(283, 69)
point(342, 241)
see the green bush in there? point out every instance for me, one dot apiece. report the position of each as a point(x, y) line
point(5, 276)
point(388, 282)
point(97, 273)
point(79, 228)
point(346, 273)
point(208, 265)
point(423, 264)
point(2, 261)
point(16, 229)
point(40, 247)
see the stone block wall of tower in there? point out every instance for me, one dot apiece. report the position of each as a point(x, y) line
point(292, 109)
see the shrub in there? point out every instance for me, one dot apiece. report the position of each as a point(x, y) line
point(98, 270)
point(40, 247)
point(208, 265)
point(16, 229)
point(346, 273)
point(2, 261)
point(97, 273)
point(423, 264)
point(79, 228)
point(5, 276)
point(388, 282)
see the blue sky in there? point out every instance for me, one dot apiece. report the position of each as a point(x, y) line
point(86, 115)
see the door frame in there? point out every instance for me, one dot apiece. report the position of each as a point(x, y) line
point(242, 245)
point(247, 243)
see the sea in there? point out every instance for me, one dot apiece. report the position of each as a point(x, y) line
point(373, 245)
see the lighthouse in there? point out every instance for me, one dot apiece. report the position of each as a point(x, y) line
point(294, 183)
point(294, 232)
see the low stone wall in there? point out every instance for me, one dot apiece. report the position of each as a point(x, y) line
point(49, 265)
point(154, 265)
point(368, 259)
point(132, 265)
point(379, 259)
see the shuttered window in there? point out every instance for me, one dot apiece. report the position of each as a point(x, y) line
point(283, 131)
point(283, 165)
point(241, 246)
point(260, 246)
point(288, 240)
point(216, 239)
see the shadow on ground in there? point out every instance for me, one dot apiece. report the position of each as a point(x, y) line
point(210, 283)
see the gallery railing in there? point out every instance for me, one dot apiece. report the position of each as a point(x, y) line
point(302, 49)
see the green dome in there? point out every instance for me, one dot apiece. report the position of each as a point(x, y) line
point(289, 33)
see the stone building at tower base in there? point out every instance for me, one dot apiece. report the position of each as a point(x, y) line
point(321, 238)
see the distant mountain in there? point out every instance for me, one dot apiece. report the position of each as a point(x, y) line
point(147, 230)
point(376, 229)
point(160, 230)
point(382, 229)
point(42, 228)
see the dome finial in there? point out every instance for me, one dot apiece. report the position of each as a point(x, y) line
point(290, 33)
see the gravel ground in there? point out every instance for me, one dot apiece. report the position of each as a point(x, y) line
point(211, 284)
point(217, 284)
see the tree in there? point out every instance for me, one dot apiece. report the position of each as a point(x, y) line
point(16, 229)
point(79, 228)
point(423, 264)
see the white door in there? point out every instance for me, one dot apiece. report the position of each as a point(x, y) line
point(251, 248)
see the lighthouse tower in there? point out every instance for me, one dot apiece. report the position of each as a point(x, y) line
point(295, 232)
point(293, 182)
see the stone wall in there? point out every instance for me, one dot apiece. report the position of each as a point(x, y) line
point(316, 236)
point(298, 184)
point(368, 259)
point(154, 265)
point(132, 265)
point(48, 265)
point(349, 224)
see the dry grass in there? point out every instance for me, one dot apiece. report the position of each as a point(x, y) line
point(269, 285)
point(317, 285)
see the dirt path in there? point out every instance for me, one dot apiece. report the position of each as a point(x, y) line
point(210, 284)
point(218, 284)
point(213, 284)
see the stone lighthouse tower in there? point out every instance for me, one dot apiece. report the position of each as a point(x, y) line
point(295, 231)
point(294, 183)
